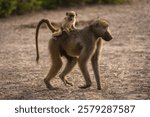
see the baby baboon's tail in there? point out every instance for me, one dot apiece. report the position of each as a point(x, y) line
point(50, 26)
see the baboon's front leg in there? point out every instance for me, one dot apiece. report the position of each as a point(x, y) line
point(71, 62)
point(83, 59)
point(57, 33)
point(94, 61)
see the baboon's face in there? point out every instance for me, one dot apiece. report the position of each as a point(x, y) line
point(107, 35)
point(71, 15)
point(102, 30)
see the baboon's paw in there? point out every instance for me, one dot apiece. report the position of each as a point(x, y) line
point(85, 86)
point(66, 82)
point(50, 87)
point(98, 88)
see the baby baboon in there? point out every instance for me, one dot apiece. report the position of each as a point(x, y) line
point(78, 45)
point(68, 23)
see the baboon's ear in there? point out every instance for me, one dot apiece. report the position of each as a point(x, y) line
point(96, 23)
point(76, 14)
point(67, 13)
point(104, 23)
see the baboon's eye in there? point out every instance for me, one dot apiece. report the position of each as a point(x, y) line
point(105, 27)
point(97, 24)
point(72, 15)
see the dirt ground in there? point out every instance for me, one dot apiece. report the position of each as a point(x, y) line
point(124, 63)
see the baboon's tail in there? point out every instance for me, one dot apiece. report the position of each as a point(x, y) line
point(50, 26)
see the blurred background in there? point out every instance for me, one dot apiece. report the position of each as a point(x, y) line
point(124, 63)
point(11, 7)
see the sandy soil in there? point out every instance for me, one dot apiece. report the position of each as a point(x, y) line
point(124, 64)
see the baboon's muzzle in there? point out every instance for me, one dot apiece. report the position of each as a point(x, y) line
point(107, 36)
point(71, 18)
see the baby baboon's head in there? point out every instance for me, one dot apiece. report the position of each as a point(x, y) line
point(71, 15)
point(101, 29)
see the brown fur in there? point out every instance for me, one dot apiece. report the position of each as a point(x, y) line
point(68, 24)
point(78, 45)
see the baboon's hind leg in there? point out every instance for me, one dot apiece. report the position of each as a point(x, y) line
point(71, 62)
point(56, 65)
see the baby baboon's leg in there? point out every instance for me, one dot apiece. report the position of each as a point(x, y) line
point(71, 62)
point(56, 65)
point(94, 61)
point(73, 27)
point(57, 33)
point(83, 59)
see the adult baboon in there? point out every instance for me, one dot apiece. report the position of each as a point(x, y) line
point(78, 45)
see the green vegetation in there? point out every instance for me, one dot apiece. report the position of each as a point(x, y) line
point(8, 7)
point(114, 1)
